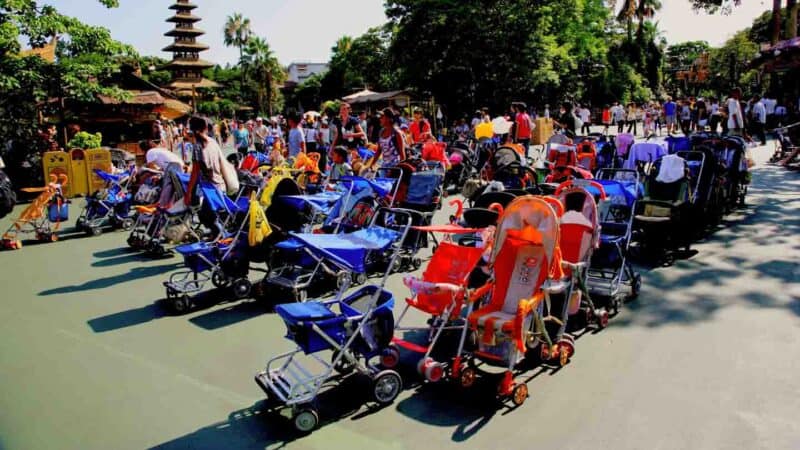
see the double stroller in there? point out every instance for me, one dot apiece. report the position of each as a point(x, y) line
point(109, 206)
point(43, 217)
point(610, 269)
point(356, 328)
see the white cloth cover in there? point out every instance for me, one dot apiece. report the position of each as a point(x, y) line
point(672, 169)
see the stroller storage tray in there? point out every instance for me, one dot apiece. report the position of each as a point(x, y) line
point(309, 311)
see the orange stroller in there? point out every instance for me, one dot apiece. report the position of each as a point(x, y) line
point(580, 235)
point(587, 155)
point(525, 255)
point(441, 293)
point(43, 216)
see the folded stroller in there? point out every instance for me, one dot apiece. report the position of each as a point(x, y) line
point(423, 198)
point(108, 206)
point(661, 221)
point(442, 292)
point(357, 328)
point(524, 255)
point(610, 267)
point(43, 217)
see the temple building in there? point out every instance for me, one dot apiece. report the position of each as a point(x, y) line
point(186, 66)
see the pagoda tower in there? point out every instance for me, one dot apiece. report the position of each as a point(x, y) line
point(186, 65)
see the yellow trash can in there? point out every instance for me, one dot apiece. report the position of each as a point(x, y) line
point(79, 182)
point(97, 159)
point(58, 163)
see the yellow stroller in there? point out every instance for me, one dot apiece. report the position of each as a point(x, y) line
point(43, 216)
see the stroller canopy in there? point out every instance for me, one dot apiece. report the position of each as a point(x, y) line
point(349, 251)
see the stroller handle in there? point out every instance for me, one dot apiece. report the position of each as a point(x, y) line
point(570, 183)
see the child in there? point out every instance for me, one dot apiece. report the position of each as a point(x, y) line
point(339, 165)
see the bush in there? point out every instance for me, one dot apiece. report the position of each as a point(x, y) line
point(86, 140)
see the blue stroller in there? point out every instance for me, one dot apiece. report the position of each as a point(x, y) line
point(610, 267)
point(108, 206)
point(357, 328)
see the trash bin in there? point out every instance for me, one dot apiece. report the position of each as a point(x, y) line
point(97, 159)
point(58, 163)
point(79, 182)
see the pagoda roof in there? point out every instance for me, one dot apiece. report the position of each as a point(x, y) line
point(183, 85)
point(184, 32)
point(188, 63)
point(185, 47)
point(184, 18)
point(187, 6)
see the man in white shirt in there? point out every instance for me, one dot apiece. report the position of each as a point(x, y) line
point(586, 117)
point(618, 116)
point(735, 118)
point(260, 131)
point(759, 115)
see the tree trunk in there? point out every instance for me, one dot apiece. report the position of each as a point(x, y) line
point(241, 67)
point(269, 94)
point(791, 21)
point(776, 21)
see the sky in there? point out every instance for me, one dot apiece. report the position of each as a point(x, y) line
point(305, 30)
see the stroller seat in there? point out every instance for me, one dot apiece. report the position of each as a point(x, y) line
point(350, 250)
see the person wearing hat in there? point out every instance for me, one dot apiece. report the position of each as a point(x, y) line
point(420, 128)
point(260, 133)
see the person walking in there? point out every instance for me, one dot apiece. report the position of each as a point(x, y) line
point(241, 138)
point(606, 118)
point(670, 115)
point(630, 117)
point(759, 122)
point(260, 133)
point(734, 109)
point(586, 117)
point(523, 127)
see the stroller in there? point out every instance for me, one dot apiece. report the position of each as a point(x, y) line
point(524, 256)
point(509, 167)
point(43, 217)
point(462, 162)
point(225, 262)
point(111, 205)
point(442, 293)
point(423, 199)
point(610, 267)
point(357, 334)
point(580, 235)
point(661, 221)
point(168, 221)
point(586, 154)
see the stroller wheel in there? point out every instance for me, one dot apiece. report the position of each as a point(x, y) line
point(342, 279)
point(519, 394)
point(386, 386)
point(241, 287)
point(95, 231)
point(636, 286)
point(133, 242)
point(468, 377)
point(127, 224)
point(565, 351)
point(434, 372)
point(218, 279)
point(360, 278)
point(416, 262)
point(602, 319)
point(306, 420)
point(181, 304)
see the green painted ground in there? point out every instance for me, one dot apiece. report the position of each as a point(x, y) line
point(706, 358)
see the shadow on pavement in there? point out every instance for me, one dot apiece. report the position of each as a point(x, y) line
point(129, 318)
point(135, 273)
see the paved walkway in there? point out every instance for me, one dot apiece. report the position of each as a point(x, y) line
point(706, 358)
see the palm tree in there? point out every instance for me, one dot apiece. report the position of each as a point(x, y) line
point(645, 10)
point(260, 61)
point(626, 15)
point(791, 21)
point(776, 21)
point(237, 32)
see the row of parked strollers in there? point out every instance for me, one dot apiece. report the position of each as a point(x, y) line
point(530, 256)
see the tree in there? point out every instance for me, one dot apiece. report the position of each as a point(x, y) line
point(86, 57)
point(237, 32)
point(261, 63)
point(729, 64)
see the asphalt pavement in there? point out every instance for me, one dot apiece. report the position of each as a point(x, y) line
point(706, 358)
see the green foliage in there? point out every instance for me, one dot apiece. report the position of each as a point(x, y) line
point(729, 64)
point(263, 68)
point(85, 140)
point(210, 109)
point(360, 62)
